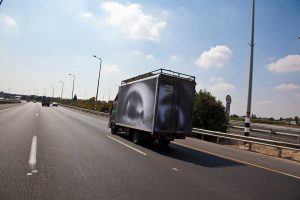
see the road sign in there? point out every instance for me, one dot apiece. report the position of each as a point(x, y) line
point(228, 99)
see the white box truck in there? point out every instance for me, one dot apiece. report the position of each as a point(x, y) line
point(157, 105)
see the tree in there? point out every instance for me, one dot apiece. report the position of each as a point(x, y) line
point(297, 120)
point(92, 99)
point(75, 98)
point(208, 112)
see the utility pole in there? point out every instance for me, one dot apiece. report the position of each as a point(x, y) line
point(62, 88)
point(52, 90)
point(45, 91)
point(96, 98)
point(248, 112)
point(73, 85)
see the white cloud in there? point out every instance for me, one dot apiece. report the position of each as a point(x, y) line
point(290, 63)
point(8, 21)
point(221, 87)
point(199, 87)
point(176, 58)
point(264, 103)
point(287, 87)
point(111, 69)
point(150, 57)
point(87, 15)
point(216, 79)
point(131, 20)
point(217, 57)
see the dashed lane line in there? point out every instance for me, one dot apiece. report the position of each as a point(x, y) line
point(33, 151)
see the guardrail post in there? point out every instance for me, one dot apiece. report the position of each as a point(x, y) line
point(279, 152)
point(202, 136)
point(249, 146)
point(218, 140)
point(270, 134)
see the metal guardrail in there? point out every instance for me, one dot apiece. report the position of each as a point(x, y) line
point(270, 133)
point(6, 101)
point(86, 110)
point(247, 139)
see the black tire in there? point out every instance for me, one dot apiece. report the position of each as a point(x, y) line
point(136, 137)
point(163, 143)
point(113, 129)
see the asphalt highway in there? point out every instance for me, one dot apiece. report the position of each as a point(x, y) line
point(59, 153)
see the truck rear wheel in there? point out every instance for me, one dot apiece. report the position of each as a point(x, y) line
point(163, 142)
point(136, 137)
point(113, 129)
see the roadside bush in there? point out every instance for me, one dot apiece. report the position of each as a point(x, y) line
point(208, 112)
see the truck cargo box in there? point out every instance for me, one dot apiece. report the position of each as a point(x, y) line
point(159, 102)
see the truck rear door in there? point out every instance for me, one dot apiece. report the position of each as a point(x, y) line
point(167, 106)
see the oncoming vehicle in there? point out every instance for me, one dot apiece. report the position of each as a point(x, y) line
point(45, 101)
point(54, 104)
point(157, 105)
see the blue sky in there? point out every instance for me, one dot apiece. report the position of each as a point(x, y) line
point(42, 42)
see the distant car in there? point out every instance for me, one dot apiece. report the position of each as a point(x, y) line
point(45, 101)
point(55, 104)
point(34, 101)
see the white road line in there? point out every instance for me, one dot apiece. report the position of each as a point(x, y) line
point(127, 145)
point(32, 157)
point(239, 161)
point(9, 108)
point(175, 169)
point(37, 114)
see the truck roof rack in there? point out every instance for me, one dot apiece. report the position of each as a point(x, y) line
point(160, 71)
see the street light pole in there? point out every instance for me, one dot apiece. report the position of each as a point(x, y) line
point(96, 98)
point(248, 112)
point(109, 94)
point(52, 90)
point(103, 94)
point(45, 91)
point(73, 85)
point(62, 88)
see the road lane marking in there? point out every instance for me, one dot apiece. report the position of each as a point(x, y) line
point(9, 108)
point(175, 169)
point(37, 114)
point(32, 156)
point(127, 145)
point(239, 161)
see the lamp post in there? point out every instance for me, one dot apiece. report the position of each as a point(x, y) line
point(96, 98)
point(62, 88)
point(103, 94)
point(36, 91)
point(52, 90)
point(73, 85)
point(109, 94)
point(45, 90)
point(248, 112)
